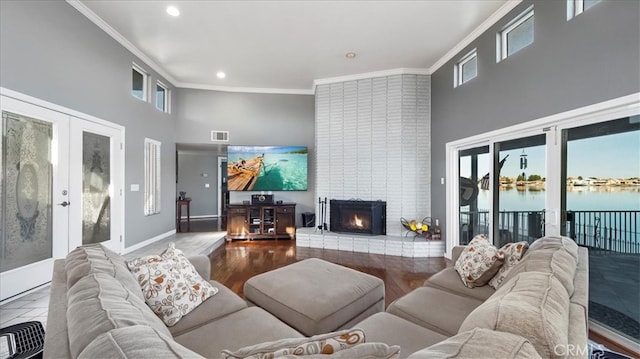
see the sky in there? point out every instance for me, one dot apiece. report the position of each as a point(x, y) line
point(612, 156)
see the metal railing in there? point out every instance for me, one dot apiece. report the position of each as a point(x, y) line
point(613, 231)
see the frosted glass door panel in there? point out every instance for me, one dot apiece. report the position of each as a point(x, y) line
point(25, 193)
point(96, 182)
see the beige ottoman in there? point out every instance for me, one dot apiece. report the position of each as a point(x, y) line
point(315, 296)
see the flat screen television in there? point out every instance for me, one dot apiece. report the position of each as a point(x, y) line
point(267, 168)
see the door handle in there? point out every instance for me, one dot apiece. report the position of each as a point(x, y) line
point(64, 204)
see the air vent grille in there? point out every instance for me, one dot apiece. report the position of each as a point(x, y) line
point(220, 136)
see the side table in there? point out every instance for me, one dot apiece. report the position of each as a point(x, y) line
point(179, 204)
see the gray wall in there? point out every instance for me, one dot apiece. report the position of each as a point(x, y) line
point(195, 170)
point(591, 58)
point(251, 119)
point(52, 52)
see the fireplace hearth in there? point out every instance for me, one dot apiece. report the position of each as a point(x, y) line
point(360, 217)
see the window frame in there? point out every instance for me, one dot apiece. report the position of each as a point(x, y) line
point(458, 70)
point(152, 176)
point(576, 7)
point(145, 83)
point(165, 104)
point(501, 36)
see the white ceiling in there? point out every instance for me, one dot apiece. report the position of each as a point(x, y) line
point(284, 46)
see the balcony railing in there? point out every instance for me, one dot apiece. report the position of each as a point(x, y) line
point(613, 231)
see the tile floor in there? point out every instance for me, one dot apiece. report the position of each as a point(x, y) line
point(34, 306)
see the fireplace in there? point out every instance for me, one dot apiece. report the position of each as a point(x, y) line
point(360, 217)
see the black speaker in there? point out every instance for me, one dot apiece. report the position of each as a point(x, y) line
point(261, 199)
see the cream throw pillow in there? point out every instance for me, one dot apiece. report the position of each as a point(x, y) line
point(329, 343)
point(513, 253)
point(171, 285)
point(478, 262)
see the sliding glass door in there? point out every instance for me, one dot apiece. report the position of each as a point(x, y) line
point(575, 174)
point(601, 211)
point(520, 195)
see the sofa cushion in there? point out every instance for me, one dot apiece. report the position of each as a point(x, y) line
point(171, 285)
point(417, 307)
point(236, 330)
point(559, 262)
point(449, 280)
point(478, 262)
point(328, 343)
point(393, 330)
point(480, 343)
point(95, 258)
point(223, 303)
point(556, 242)
point(98, 303)
point(534, 305)
point(513, 253)
point(136, 341)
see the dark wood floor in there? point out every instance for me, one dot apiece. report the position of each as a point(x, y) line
point(236, 262)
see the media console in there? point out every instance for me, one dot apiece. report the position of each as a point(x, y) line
point(261, 221)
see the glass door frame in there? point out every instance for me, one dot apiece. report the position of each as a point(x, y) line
point(115, 133)
point(26, 277)
point(552, 127)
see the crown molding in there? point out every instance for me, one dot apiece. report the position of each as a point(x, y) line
point(93, 17)
point(368, 75)
point(490, 21)
point(266, 90)
point(98, 21)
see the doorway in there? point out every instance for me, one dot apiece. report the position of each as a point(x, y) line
point(60, 187)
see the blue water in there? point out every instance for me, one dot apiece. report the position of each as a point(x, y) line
point(586, 198)
point(281, 172)
point(578, 199)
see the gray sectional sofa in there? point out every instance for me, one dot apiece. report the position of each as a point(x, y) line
point(96, 310)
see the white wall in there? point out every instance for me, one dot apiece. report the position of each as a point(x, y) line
point(373, 142)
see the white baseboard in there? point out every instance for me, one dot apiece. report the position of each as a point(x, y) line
point(148, 241)
point(205, 216)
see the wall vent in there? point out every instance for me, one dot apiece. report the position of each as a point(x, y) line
point(220, 136)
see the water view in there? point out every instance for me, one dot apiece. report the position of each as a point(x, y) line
point(587, 198)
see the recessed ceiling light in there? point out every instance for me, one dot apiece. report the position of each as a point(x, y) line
point(350, 55)
point(221, 75)
point(173, 11)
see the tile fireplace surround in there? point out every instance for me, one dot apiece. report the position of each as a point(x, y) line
point(387, 245)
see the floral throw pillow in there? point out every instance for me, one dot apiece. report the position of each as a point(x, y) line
point(478, 262)
point(513, 253)
point(171, 285)
point(326, 344)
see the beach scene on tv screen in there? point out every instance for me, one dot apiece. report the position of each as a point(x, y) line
point(267, 168)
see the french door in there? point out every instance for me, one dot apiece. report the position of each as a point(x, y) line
point(60, 187)
point(95, 180)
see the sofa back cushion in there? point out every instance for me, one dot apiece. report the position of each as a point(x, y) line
point(480, 343)
point(95, 258)
point(534, 305)
point(548, 260)
point(136, 341)
point(556, 242)
point(98, 303)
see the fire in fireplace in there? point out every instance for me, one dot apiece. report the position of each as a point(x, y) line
point(361, 217)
